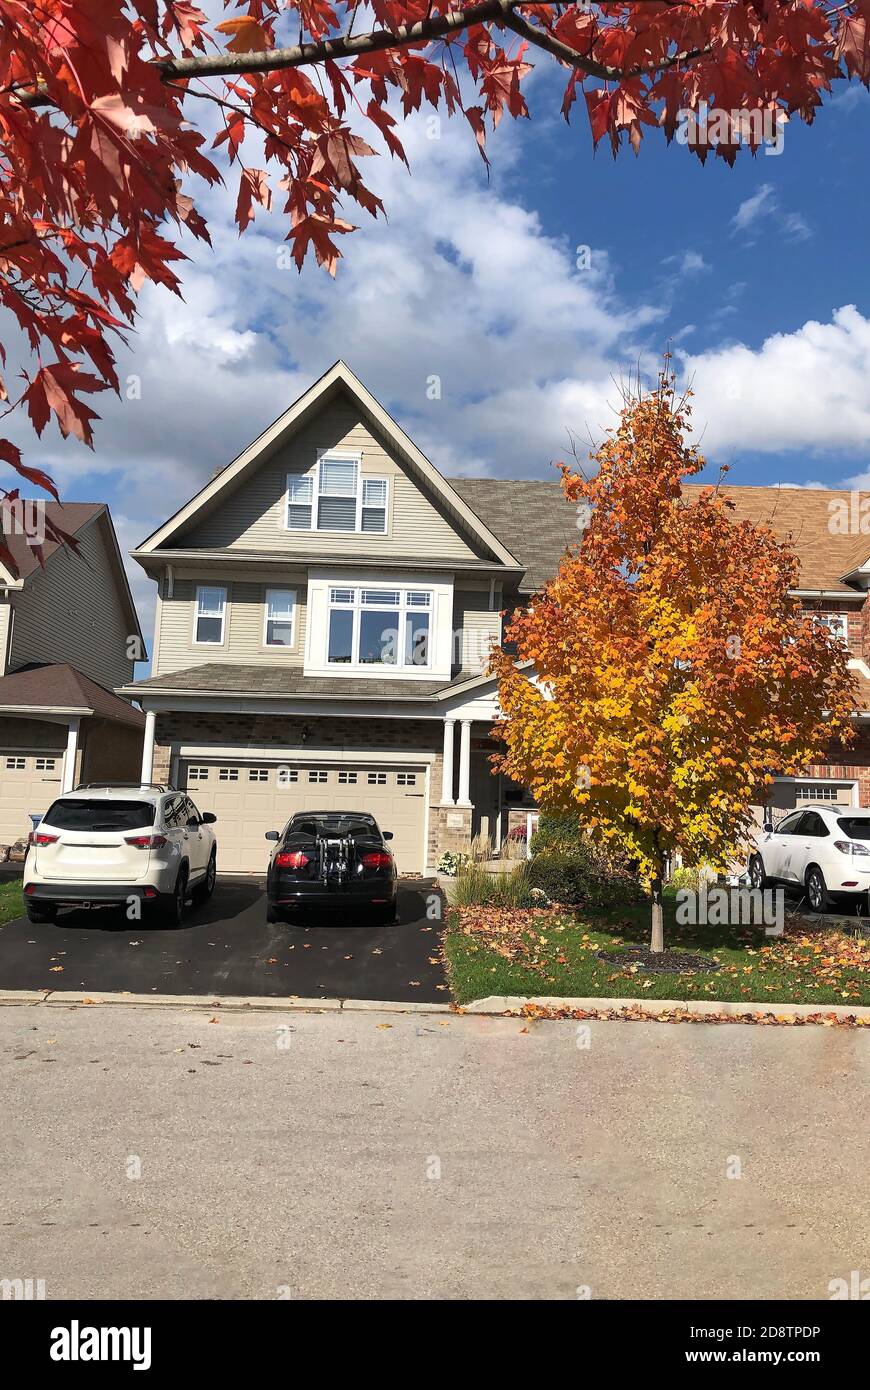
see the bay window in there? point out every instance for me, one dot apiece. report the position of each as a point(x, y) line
point(335, 496)
point(379, 627)
point(209, 613)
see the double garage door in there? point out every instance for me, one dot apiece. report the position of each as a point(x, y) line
point(252, 797)
point(28, 782)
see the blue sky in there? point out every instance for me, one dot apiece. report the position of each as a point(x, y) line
point(747, 272)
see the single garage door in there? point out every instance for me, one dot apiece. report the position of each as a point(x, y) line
point(250, 798)
point(28, 782)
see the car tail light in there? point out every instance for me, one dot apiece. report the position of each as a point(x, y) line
point(39, 837)
point(150, 892)
point(292, 859)
point(851, 847)
point(29, 890)
point(145, 841)
point(376, 859)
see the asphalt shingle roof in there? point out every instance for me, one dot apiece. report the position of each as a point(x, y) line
point(536, 524)
point(222, 677)
point(63, 687)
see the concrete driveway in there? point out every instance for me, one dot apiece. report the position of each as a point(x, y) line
point(226, 947)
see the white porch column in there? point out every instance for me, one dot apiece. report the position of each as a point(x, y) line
point(464, 763)
point(69, 757)
point(447, 766)
point(148, 746)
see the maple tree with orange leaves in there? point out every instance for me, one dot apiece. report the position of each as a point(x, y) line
point(674, 673)
point(100, 153)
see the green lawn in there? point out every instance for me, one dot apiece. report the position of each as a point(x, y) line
point(552, 952)
point(11, 901)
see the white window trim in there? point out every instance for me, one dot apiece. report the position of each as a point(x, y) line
point(314, 474)
point(196, 614)
point(356, 607)
point(276, 646)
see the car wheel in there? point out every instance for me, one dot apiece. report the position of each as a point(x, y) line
point(757, 877)
point(174, 904)
point(272, 913)
point(206, 888)
point(816, 890)
point(45, 912)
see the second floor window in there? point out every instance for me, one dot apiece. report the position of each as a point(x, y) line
point(211, 605)
point(379, 627)
point(336, 496)
point(280, 610)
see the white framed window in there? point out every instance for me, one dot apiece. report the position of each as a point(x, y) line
point(406, 779)
point(209, 613)
point(228, 774)
point(16, 764)
point(317, 775)
point(197, 774)
point(287, 776)
point(374, 626)
point(377, 779)
point(46, 764)
point(838, 623)
point(335, 496)
point(258, 774)
point(347, 779)
point(279, 627)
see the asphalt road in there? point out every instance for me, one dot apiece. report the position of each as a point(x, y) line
point(155, 1152)
point(227, 947)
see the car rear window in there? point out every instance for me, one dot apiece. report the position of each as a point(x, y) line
point(77, 814)
point(333, 825)
point(856, 827)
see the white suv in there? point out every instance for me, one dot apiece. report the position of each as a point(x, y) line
point(109, 842)
point(824, 850)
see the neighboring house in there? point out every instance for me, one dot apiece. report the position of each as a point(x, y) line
point(65, 643)
point(326, 604)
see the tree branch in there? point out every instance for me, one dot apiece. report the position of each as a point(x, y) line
point(351, 46)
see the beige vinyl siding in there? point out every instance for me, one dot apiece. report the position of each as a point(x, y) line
point(253, 516)
point(73, 611)
point(243, 643)
point(475, 627)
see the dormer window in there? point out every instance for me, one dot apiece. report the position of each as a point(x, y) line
point(336, 496)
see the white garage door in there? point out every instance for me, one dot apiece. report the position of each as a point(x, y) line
point(250, 798)
point(28, 782)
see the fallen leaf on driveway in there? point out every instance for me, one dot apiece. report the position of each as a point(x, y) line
point(214, 1020)
point(385, 1025)
point(415, 983)
point(54, 968)
point(273, 960)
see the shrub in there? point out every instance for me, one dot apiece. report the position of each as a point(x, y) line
point(583, 875)
point(451, 862)
point(556, 831)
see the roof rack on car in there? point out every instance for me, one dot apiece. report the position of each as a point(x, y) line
point(93, 786)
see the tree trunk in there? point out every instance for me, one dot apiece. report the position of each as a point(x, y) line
point(657, 937)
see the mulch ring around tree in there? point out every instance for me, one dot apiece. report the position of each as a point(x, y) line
point(660, 962)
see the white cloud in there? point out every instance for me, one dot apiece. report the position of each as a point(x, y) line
point(753, 208)
point(804, 390)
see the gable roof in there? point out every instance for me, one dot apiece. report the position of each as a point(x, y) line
point(74, 518)
point(62, 687)
point(537, 524)
point(337, 377)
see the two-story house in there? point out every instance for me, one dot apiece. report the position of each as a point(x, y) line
point(69, 634)
point(326, 604)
